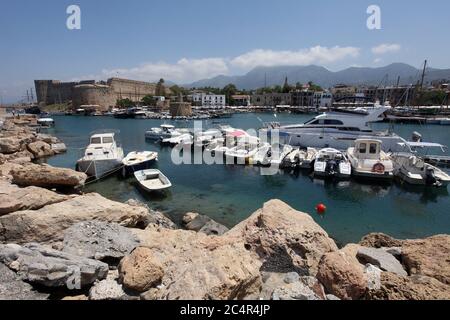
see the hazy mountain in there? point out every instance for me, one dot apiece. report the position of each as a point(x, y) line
point(257, 77)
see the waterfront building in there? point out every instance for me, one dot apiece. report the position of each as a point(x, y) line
point(209, 100)
point(241, 100)
point(271, 99)
point(322, 99)
point(302, 98)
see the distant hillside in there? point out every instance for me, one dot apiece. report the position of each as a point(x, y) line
point(324, 77)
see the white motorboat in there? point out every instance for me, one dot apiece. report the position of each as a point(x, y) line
point(368, 160)
point(138, 160)
point(302, 158)
point(337, 129)
point(262, 156)
point(271, 155)
point(152, 180)
point(46, 122)
point(413, 170)
point(184, 139)
point(164, 131)
point(203, 139)
point(330, 162)
point(102, 156)
point(246, 147)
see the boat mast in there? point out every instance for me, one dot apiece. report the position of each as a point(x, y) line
point(423, 74)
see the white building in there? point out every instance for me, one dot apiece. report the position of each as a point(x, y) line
point(209, 100)
point(322, 99)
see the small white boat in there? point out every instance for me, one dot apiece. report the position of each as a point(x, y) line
point(46, 122)
point(164, 131)
point(101, 157)
point(262, 156)
point(306, 157)
point(138, 160)
point(413, 170)
point(330, 162)
point(203, 139)
point(246, 147)
point(368, 160)
point(152, 180)
point(184, 139)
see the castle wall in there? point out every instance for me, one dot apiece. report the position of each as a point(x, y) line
point(93, 94)
point(131, 89)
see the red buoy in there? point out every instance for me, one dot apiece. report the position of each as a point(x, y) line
point(321, 208)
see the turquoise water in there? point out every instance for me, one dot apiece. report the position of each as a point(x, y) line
point(230, 193)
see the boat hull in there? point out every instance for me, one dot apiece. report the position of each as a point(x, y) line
point(131, 169)
point(97, 168)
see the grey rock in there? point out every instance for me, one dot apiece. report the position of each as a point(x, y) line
point(314, 285)
point(198, 222)
point(13, 288)
point(213, 228)
point(99, 240)
point(107, 289)
point(395, 251)
point(41, 265)
point(373, 274)
point(294, 291)
point(382, 259)
point(332, 297)
point(291, 277)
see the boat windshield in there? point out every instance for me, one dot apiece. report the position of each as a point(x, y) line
point(96, 140)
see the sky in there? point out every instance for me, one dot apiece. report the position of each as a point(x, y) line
point(187, 40)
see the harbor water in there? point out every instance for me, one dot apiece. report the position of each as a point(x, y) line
point(230, 193)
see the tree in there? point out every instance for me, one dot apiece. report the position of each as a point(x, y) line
point(160, 90)
point(177, 90)
point(125, 103)
point(148, 100)
point(229, 90)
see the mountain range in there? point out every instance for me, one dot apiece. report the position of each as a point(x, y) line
point(387, 75)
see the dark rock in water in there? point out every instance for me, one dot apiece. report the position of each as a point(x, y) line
point(204, 224)
point(13, 288)
point(379, 240)
point(99, 240)
point(51, 268)
point(154, 217)
point(382, 259)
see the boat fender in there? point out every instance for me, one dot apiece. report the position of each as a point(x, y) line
point(378, 168)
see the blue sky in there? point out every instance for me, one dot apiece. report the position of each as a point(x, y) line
point(188, 40)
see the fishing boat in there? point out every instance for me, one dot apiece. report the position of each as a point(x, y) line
point(368, 160)
point(414, 170)
point(152, 180)
point(101, 156)
point(138, 160)
point(163, 132)
point(331, 163)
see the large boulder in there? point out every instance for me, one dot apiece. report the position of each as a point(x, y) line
point(140, 271)
point(107, 289)
point(47, 224)
point(13, 198)
point(429, 257)
point(40, 149)
point(285, 239)
point(197, 266)
point(99, 240)
point(342, 275)
point(13, 288)
point(382, 259)
point(394, 287)
point(13, 144)
point(379, 240)
point(51, 268)
point(201, 223)
point(154, 217)
point(47, 176)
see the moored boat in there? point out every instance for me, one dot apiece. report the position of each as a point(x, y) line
point(331, 163)
point(152, 180)
point(138, 160)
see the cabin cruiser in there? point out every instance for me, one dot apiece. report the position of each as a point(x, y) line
point(163, 132)
point(101, 157)
point(138, 160)
point(330, 162)
point(337, 129)
point(369, 160)
point(414, 170)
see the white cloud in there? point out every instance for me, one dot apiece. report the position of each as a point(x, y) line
point(317, 54)
point(377, 60)
point(183, 70)
point(386, 48)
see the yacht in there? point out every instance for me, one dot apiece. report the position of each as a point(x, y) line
point(337, 129)
point(369, 160)
point(164, 131)
point(413, 170)
point(330, 163)
point(101, 157)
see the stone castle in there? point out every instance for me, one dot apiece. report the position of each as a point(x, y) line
point(103, 95)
